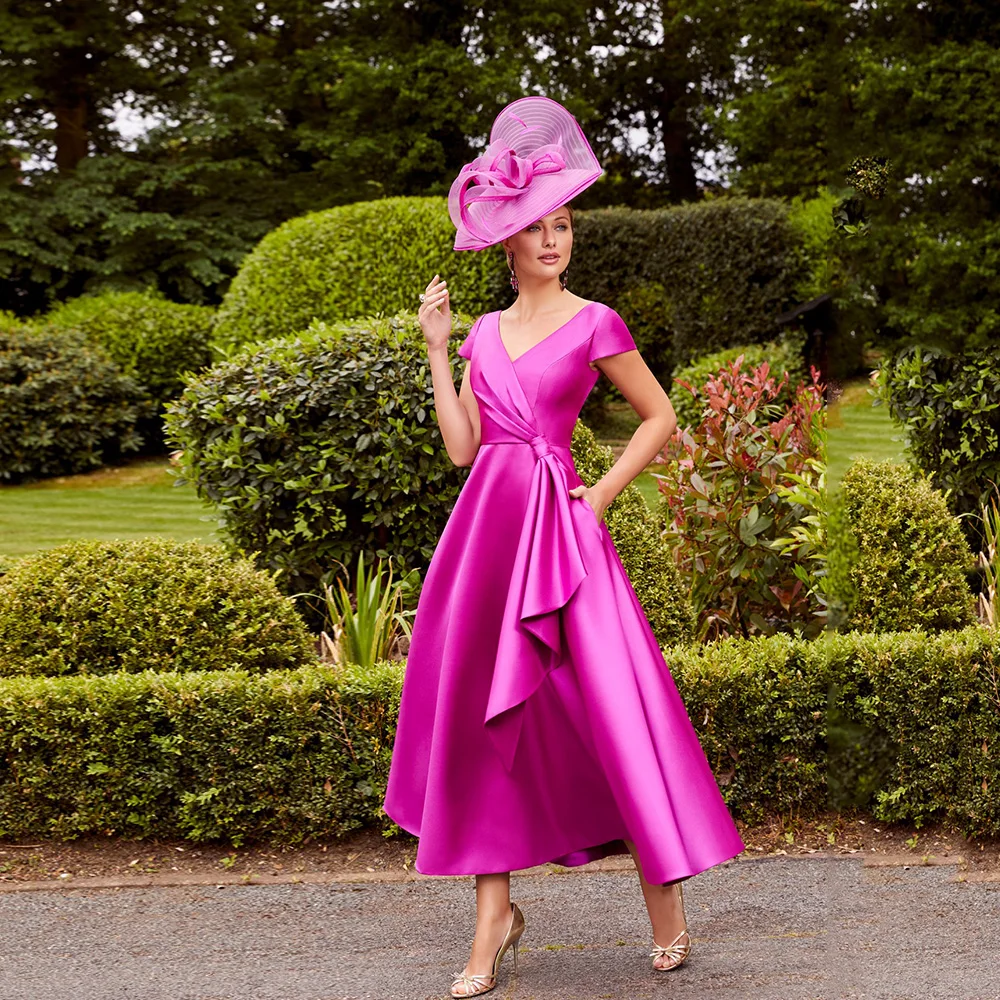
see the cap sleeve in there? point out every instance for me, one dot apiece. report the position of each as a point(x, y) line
point(465, 348)
point(610, 336)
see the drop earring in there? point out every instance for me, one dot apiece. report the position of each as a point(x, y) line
point(513, 275)
point(562, 279)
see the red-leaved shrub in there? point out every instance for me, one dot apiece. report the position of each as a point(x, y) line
point(743, 500)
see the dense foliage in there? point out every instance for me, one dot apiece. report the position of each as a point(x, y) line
point(917, 83)
point(360, 260)
point(912, 558)
point(65, 406)
point(662, 592)
point(727, 268)
point(149, 604)
point(321, 446)
point(742, 498)
point(146, 335)
point(949, 405)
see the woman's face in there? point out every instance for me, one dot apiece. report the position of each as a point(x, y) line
point(542, 250)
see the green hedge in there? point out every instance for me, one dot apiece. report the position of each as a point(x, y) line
point(205, 755)
point(636, 534)
point(151, 603)
point(65, 406)
point(687, 279)
point(352, 261)
point(319, 447)
point(908, 557)
point(912, 720)
point(145, 334)
point(728, 268)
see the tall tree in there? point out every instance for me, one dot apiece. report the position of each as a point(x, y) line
point(916, 81)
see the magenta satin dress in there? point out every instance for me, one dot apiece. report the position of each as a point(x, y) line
point(538, 719)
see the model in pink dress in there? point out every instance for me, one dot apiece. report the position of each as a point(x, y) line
point(539, 721)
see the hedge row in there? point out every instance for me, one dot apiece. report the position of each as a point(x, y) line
point(317, 448)
point(687, 279)
point(905, 723)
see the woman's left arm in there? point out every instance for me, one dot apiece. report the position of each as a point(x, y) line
point(639, 386)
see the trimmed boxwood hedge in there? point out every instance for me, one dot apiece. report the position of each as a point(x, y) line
point(146, 335)
point(65, 406)
point(365, 259)
point(305, 753)
point(688, 279)
point(908, 558)
point(150, 603)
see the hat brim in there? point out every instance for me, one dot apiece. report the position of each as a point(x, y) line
point(496, 221)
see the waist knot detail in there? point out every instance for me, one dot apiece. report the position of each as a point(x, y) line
point(540, 446)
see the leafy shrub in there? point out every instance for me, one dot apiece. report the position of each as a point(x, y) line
point(65, 406)
point(784, 354)
point(634, 530)
point(729, 267)
point(320, 447)
point(95, 607)
point(328, 266)
point(739, 488)
point(912, 558)
point(297, 753)
point(146, 335)
point(950, 407)
point(227, 754)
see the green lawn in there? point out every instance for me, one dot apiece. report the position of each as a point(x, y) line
point(129, 502)
point(140, 499)
point(857, 429)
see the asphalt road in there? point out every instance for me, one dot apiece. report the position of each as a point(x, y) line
point(764, 929)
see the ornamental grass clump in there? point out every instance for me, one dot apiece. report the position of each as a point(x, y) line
point(742, 505)
point(150, 604)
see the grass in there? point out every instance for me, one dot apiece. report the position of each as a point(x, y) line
point(140, 499)
point(856, 429)
point(859, 430)
point(131, 501)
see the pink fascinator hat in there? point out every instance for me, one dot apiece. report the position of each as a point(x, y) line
point(537, 160)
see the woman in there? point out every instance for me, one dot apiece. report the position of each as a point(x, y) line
point(538, 722)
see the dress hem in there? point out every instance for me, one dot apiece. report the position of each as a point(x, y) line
point(585, 855)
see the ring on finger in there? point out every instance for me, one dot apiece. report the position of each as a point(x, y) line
point(422, 296)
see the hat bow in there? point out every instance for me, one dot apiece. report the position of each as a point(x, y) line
point(504, 175)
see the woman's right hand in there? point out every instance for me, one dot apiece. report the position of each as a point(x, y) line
point(435, 313)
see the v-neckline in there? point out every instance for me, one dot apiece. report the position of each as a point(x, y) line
point(539, 343)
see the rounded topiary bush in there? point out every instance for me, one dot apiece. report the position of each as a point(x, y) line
point(634, 529)
point(146, 335)
point(911, 561)
point(318, 447)
point(151, 604)
point(783, 354)
point(355, 260)
point(65, 406)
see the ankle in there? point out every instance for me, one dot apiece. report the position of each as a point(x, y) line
point(493, 914)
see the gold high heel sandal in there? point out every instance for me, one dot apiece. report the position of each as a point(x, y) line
point(483, 982)
point(676, 951)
